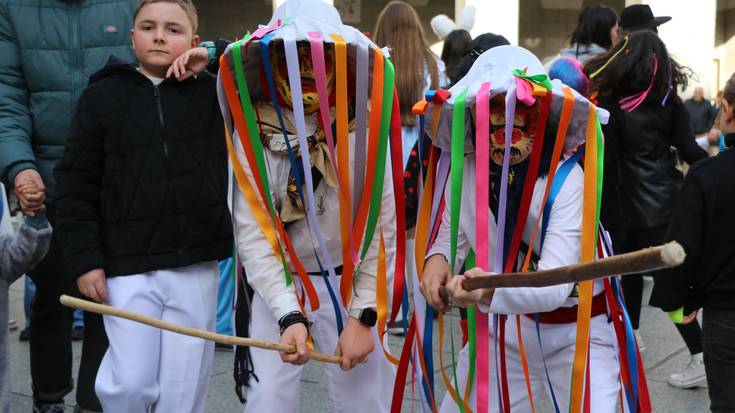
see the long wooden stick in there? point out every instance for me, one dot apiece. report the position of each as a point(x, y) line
point(647, 259)
point(189, 331)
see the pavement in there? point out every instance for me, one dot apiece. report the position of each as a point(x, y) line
point(665, 353)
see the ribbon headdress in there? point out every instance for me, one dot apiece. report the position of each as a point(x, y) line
point(310, 32)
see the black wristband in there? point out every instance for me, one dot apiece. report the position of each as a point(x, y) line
point(292, 318)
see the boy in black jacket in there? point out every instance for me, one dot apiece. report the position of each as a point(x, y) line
point(703, 224)
point(142, 213)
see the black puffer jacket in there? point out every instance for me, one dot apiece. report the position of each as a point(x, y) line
point(641, 181)
point(143, 182)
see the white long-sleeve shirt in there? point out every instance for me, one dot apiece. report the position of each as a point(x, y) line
point(264, 269)
point(562, 245)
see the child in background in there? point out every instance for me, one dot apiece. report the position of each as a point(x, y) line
point(143, 216)
point(702, 223)
point(18, 253)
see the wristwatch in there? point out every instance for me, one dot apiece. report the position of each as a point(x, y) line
point(211, 50)
point(294, 317)
point(366, 316)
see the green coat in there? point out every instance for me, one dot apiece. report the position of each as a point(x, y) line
point(48, 50)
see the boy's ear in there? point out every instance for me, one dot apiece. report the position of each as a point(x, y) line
point(132, 38)
point(195, 41)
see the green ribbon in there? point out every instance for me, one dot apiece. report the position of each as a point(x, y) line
point(541, 80)
point(469, 262)
point(251, 121)
point(377, 194)
point(456, 171)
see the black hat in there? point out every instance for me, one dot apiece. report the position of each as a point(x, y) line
point(640, 17)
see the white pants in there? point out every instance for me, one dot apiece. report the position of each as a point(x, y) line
point(366, 388)
point(145, 367)
point(558, 344)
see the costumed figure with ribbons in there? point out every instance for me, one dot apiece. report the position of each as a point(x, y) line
point(308, 104)
point(513, 184)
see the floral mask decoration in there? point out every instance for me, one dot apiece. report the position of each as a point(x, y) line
point(308, 76)
point(524, 130)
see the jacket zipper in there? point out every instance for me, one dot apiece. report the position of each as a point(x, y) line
point(157, 94)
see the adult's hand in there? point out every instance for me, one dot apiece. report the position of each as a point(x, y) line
point(30, 191)
point(190, 63)
point(93, 284)
point(436, 274)
point(296, 335)
point(355, 343)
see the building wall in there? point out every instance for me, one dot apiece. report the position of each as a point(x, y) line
point(231, 19)
point(724, 45)
point(544, 31)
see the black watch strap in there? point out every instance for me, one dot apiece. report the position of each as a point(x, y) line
point(366, 316)
point(294, 317)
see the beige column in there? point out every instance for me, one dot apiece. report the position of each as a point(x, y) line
point(689, 36)
point(498, 16)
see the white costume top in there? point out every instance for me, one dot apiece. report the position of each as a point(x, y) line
point(561, 245)
point(264, 269)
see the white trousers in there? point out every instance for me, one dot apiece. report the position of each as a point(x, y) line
point(366, 388)
point(558, 349)
point(147, 368)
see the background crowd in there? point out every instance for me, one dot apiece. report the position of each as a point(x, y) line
point(651, 141)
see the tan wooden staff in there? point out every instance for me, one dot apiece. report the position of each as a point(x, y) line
point(647, 259)
point(189, 331)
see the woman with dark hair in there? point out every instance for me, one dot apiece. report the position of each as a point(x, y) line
point(479, 45)
point(596, 32)
point(637, 82)
point(455, 45)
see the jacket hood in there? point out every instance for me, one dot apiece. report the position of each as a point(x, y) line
point(113, 66)
point(582, 52)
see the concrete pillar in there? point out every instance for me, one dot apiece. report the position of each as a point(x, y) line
point(499, 17)
point(689, 37)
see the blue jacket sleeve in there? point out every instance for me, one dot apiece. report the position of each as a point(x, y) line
point(16, 153)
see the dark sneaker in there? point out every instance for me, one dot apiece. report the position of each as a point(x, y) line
point(49, 408)
point(77, 334)
point(25, 334)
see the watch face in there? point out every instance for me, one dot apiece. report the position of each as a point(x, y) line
point(369, 317)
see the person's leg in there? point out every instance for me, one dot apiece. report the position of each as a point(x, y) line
point(368, 387)
point(225, 297)
point(604, 366)
point(633, 296)
point(718, 330)
point(29, 291)
point(275, 385)
point(50, 331)
point(692, 335)
point(190, 299)
point(93, 350)
point(127, 381)
point(694, 374)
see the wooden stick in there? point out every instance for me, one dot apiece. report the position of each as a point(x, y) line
point(648, 259)
point(189, 331)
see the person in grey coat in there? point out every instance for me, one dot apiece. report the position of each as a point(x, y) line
point(18, 254)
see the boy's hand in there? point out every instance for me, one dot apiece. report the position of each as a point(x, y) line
point(464, 298)
point(190, 63)
point(355, 343)
point(30, 191)
point(93, 285)
point(436, 274)
point(296, 335)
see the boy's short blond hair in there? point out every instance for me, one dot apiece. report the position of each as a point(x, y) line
point(187, 5)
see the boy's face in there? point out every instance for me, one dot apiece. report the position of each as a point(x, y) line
point(162, 32)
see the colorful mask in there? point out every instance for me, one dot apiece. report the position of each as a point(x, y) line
point(308, 82)
point(524, 130)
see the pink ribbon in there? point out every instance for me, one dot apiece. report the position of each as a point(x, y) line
point(482, 188)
